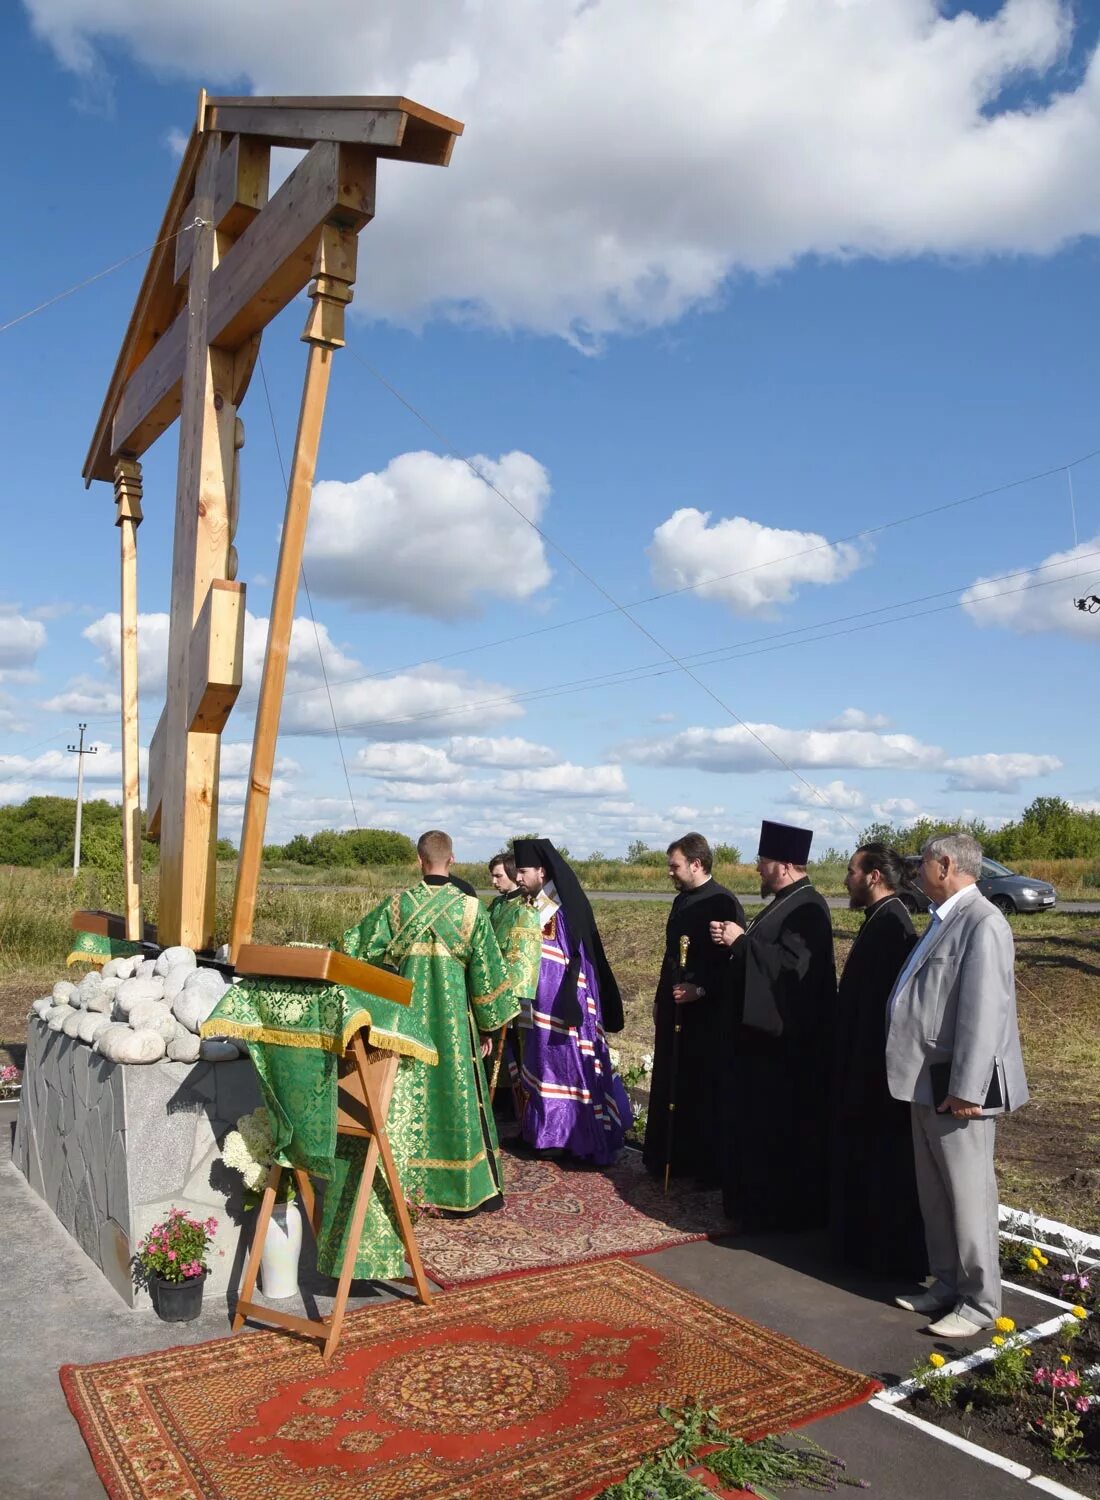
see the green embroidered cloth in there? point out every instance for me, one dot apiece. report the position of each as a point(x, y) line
point(295, 1031)
point(95, 948)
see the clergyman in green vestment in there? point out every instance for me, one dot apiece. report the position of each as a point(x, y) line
point(440, 1125)
point(516, 924)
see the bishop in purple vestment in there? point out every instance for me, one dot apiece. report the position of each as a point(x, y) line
point(574, 1100)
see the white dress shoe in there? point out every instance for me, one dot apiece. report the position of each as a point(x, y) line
point(955, 1326)
point(927, 1302)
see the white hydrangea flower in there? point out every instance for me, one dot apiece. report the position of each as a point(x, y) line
point(249, 1148)
point(647, 1062)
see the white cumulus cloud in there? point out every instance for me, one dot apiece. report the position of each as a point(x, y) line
point(405, 762)
point(502, 750)
point(857, 718)
point(1025, 604)
point(567, 780)
point(836, 794)
point(622, 159)
point(997, 773)
point(742, 563)
point(21, 639)
point(736, 747)
point(427, 535)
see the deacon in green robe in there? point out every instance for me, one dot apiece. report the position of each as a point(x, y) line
point(516, 924)
point(440, 1123)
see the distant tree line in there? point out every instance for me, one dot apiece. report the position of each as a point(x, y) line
point(360, 846)
point(40, 832)
point(1049, 828)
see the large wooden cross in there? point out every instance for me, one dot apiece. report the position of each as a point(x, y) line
point(228, 260)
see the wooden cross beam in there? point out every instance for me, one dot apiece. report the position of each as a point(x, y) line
point(228, 260)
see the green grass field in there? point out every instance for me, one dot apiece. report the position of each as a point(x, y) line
point(1047, 1153)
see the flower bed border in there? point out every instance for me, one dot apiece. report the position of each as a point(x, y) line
point(891, 1400)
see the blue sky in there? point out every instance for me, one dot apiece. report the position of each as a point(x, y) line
point(851, 282)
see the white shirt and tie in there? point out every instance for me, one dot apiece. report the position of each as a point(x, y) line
point(937, 916)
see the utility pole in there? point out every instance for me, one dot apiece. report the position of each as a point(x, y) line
point(80, 752)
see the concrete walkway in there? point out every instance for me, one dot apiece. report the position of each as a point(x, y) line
point(59, 1310)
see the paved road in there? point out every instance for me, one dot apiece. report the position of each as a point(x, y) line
point(837, 903)
point(750, 898)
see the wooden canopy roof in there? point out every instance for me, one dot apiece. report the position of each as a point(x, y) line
point(261, 273)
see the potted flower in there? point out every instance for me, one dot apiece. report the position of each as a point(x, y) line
point(11, 1081)
point(171, 1260)
point(250, 1150)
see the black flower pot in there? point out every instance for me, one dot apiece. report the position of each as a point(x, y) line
point(178, 1301)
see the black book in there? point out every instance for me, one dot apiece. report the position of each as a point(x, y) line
point(940, 1074)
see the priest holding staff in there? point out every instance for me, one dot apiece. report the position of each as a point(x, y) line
point(780, 999)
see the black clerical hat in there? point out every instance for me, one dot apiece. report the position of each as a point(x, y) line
point(779, 841)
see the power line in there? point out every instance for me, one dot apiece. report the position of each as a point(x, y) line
point(622, 609)
point(647, 670)
point(685, 588)
point(99, 275)
point(309, 601)
point(701, 658)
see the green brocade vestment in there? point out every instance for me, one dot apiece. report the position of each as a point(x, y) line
point(440, 1125)
point(519, 933)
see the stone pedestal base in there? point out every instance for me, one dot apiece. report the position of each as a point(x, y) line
point(111, 1147)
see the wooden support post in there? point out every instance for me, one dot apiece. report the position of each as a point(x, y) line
point(208, 419)
point(334, 273)
point(128, 519)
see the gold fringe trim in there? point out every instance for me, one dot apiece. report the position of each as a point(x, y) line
point(76, 957)
point(430, 1163)
point(253, 1031)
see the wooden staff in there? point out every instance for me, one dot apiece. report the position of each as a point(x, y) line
point(334, 271)
point(685, 944)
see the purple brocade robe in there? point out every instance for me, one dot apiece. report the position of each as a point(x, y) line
point(575, 1101)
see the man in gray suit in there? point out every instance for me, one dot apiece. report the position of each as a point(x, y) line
point(953, 1051)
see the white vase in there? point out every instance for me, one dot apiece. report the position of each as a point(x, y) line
point(282, 1247)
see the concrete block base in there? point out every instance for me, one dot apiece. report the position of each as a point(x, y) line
point(111, 1147)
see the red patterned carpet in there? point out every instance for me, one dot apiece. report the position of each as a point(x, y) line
point(565, 1214)
point(545, 1388)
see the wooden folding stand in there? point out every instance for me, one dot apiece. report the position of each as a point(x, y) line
point(364, 1090)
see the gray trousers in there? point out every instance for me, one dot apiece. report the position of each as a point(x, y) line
point(957, 1188)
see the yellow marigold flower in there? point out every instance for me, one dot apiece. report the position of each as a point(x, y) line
point(1025, 1351)
point(936, 1360)
point(1036, 1251)
point(997, 1341)
point(1031, 1264)
point(1078, 1312)
point(1043, 1261)
point(1005, 1325)
point(1065, 1358)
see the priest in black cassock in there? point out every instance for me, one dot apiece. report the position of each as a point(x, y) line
point(781, 984)
point(691, 993)
point(875, 1220)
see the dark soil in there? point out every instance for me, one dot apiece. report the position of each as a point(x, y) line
point(1005, 1426)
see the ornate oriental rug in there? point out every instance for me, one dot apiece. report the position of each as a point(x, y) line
point(545, 1388)
point(560, 1214)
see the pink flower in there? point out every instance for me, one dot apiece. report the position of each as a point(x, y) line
point(210, 1225)
point(171, 1255)
point(1082, 1403)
